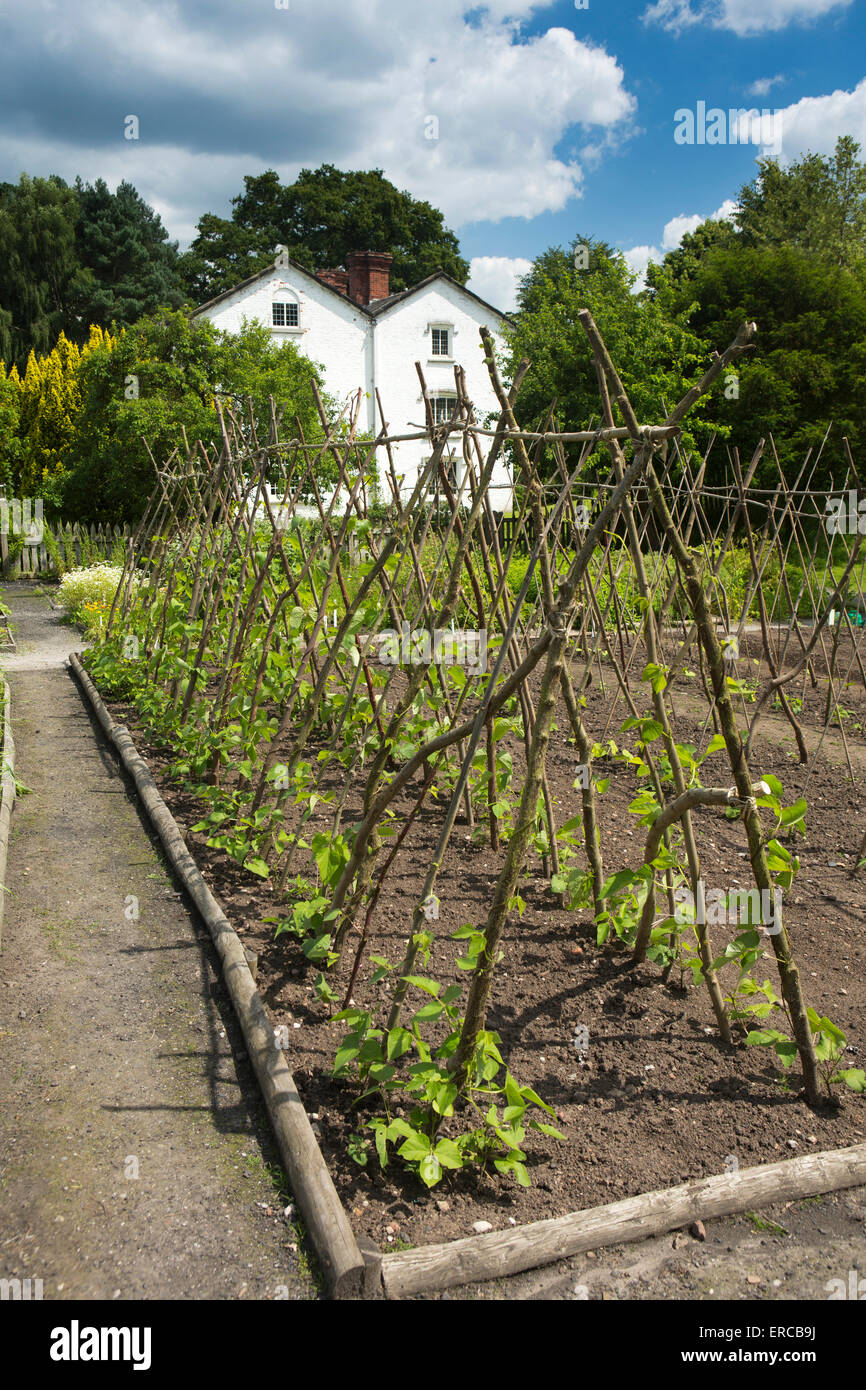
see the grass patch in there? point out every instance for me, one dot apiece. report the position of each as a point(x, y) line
point(763, 1223)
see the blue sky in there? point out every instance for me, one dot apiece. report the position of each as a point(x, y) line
point(644, 182)
point(548, 121)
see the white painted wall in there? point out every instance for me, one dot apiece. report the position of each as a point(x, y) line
point(404, 338)
point(332, 330)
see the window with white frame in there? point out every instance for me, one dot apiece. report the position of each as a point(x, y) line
point(440, 340)
point(285, 311)
point(443, 407)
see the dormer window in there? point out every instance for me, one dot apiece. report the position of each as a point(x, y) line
point(285, 310)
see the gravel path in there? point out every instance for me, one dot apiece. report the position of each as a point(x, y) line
point(135, 1157)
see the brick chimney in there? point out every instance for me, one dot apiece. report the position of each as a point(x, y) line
point(369, 275)
point(337, 279)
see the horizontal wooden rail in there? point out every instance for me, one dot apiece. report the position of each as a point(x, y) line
point(497, 1253)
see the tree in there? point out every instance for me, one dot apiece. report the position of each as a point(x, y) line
point(321, 218)
point(73, 257)
point(657, 355)
point(808, 367)
point(40, 273)
point(10, 443)
point(252, 368)
point(158, 383)
point(124, 248)
point(49, 401)
point(679, 267)
point(795, 262)
point(815, 203)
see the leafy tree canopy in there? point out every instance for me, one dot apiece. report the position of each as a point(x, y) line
point(49, 402)
point(41, 276)
point(10, 441)
point(808, 366)
point(159, 384)
point(657, 355)
point(75, 256)
point(325, 214)
point(816, 203)
point(794, 260)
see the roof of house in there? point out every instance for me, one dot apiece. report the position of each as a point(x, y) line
point(378, 306)
point(260, 275)
point(373, 310)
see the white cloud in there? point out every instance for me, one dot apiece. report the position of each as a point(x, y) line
point(495, 278)
point(815, 123)
point(766, 16)
point(222, 90)
point(637, 258)
point(165, 184)
point(726, 212)
point(673, 15)
point(764, 86)
point(676, 229)
point(742, 17)
point(494, 155)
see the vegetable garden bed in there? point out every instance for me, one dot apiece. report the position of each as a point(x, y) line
point(552, 918)
point(657, 1099)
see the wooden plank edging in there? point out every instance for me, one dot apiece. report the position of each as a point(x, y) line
point(325, 1219)
point(7, 800)
point(498, 1253)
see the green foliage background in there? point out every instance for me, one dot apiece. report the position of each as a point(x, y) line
point(321, 217)
point(82, 426)
point(75, 259)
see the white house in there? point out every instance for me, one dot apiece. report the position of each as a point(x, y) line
point(367, 338)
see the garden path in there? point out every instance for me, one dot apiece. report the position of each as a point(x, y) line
point(135, 1156)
